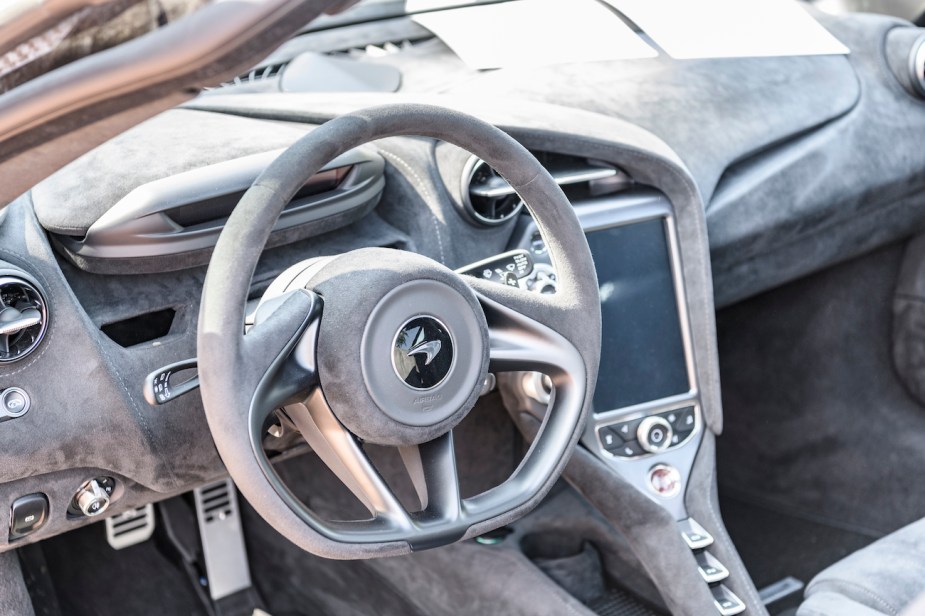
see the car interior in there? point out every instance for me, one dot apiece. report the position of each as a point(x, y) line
point(303, 311)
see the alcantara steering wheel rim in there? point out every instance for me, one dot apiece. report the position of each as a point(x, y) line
point(288, 358)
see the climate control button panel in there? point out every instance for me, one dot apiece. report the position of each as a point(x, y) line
point(648, 434)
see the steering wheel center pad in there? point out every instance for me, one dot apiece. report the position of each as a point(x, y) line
point(370, 295)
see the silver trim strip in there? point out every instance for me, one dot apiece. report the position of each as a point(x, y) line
point(563, 178)
point(20, 324)
point(779, 590)
point(917, 67)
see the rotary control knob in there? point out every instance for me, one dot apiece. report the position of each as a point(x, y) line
point(92, 499)
point(654, 434)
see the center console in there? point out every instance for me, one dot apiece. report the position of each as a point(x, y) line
point(647, 421)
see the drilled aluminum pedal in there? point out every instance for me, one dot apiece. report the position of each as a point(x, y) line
point(130, 527)
point(222, 539)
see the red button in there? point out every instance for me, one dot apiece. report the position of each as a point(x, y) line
point(665, 480)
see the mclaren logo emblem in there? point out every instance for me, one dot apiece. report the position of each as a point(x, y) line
point(429, 348)
point(423, 353)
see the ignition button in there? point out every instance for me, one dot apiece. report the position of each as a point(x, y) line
point(665, 480)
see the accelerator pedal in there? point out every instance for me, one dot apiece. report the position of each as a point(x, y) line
point(222, 536)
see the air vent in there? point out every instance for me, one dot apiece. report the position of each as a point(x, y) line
point(269, 71)
point(23, 318)
point(256, 74)
point(490, 200)
point(387, 48)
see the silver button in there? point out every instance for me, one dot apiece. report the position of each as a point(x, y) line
point(694, 534)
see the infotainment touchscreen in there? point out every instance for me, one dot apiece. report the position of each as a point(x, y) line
point(642, 354)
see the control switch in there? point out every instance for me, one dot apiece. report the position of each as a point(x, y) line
point(28, 514)
point(654, 434)
point(711, 570)
point(727, 603)
point(507, 268)
point(14, 402)
point(93, 497)
point(665, 480)
point(682, 421)
point(695, 536)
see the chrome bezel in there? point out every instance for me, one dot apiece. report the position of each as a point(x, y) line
point(917, 66)
point(17, 280)
point(469, 170)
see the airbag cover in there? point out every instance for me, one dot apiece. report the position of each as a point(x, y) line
point(402, 345)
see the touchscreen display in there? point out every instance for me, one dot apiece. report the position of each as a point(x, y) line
point(642, 353)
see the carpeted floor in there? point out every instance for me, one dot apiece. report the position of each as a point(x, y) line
point(774, 545)
point(816, 421)
point(822, 448)
point(92, 579)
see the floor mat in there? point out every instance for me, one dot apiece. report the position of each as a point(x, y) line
point(617, 602)
point(92, 579)
point(774, 545)
point(295, 583)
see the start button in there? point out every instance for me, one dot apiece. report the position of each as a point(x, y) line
point(665, 480)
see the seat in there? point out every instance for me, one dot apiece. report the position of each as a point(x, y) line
point(886, 577)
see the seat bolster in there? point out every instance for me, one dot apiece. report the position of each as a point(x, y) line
point(886, 576)
point(834, 604)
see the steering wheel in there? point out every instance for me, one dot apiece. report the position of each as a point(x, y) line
point(392, 348)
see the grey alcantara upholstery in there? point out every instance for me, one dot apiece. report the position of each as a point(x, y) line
point(886, 577)
point(14, 598)
point(226, 383)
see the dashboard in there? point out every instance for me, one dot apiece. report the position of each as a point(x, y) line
point(128, 306)
point(684, 207)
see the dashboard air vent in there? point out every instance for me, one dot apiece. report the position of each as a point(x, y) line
point(488, 198)
point(387, 48)
point(23, 318)
point(256, 74)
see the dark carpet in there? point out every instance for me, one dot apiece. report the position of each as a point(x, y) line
point(817, 423)
point(774, 545)
point(92, 579)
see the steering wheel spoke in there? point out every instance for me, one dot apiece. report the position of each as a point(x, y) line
point(280, 348)
point(432, 468)
point(522, 331)
point(343, 454)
